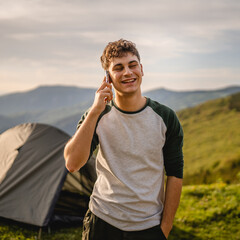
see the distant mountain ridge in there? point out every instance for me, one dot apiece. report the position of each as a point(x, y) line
point(45, 98)
point(179, 100)
point(62, 106)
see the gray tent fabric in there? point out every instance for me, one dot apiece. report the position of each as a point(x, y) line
point(10, 142)
point(34, 186)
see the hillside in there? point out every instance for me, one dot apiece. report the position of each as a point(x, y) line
point(212, 141)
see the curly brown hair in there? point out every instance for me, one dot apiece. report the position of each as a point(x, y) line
point(116, 49)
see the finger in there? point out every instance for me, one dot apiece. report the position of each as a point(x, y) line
point(108, 83)
point(104, 85)
point(106, 96)
point(109, 97)
point(104, 79)
point(104, 90)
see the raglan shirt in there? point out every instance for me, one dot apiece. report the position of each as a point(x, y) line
point(134, 150)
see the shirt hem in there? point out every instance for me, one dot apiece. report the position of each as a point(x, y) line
point(135, 225)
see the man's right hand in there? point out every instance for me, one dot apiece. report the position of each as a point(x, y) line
point(102, 96)
point(76, 151)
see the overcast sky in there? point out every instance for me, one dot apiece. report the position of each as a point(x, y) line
point(184, 44)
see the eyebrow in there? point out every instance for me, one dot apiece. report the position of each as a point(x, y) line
point(120, 64)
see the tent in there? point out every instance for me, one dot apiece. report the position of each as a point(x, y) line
point(35, 187)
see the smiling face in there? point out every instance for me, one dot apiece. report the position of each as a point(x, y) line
point(126, 75)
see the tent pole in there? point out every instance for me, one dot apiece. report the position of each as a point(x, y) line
point(40, 233)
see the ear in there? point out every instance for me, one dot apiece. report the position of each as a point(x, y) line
point(142, 69)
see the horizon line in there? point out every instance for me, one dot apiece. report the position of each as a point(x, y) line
point(144, 91)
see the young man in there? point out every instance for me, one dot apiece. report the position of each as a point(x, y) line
point(138, 138)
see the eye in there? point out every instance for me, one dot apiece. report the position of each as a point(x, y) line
point(118, 69)
point(133, 65)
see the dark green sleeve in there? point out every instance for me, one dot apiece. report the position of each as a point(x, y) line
point(95, 140)
point(172, 150)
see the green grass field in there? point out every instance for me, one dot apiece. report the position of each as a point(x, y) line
point(205, 212)
point(208, 212)
point(212, 141)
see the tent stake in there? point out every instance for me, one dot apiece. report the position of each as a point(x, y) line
point(40, 233)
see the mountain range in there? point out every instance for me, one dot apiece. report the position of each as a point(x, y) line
point(62, 106)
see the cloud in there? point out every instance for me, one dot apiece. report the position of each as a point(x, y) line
point(69, 35)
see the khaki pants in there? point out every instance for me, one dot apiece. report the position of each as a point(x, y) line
point(94, 228)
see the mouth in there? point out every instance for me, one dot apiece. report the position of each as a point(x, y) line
point(126, 81)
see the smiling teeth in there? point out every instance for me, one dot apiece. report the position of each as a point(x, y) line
point(129, 81)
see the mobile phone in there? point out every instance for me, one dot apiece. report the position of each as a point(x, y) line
point(107, 81)
point(107, 76)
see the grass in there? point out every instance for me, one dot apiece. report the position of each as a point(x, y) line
point(205, 212)
point(208, 212)
point(10, 230)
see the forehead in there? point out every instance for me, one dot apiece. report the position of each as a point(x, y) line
point(126, 59)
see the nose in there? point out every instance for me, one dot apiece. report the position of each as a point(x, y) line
point(127, 71)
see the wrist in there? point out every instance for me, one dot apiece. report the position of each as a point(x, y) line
point(95, 111)
point(166, 229)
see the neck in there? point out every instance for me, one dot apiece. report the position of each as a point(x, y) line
point(130, 103)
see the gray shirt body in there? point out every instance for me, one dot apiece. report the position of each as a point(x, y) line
point(133, 153)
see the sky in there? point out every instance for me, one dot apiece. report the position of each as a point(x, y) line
point(183, 44)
